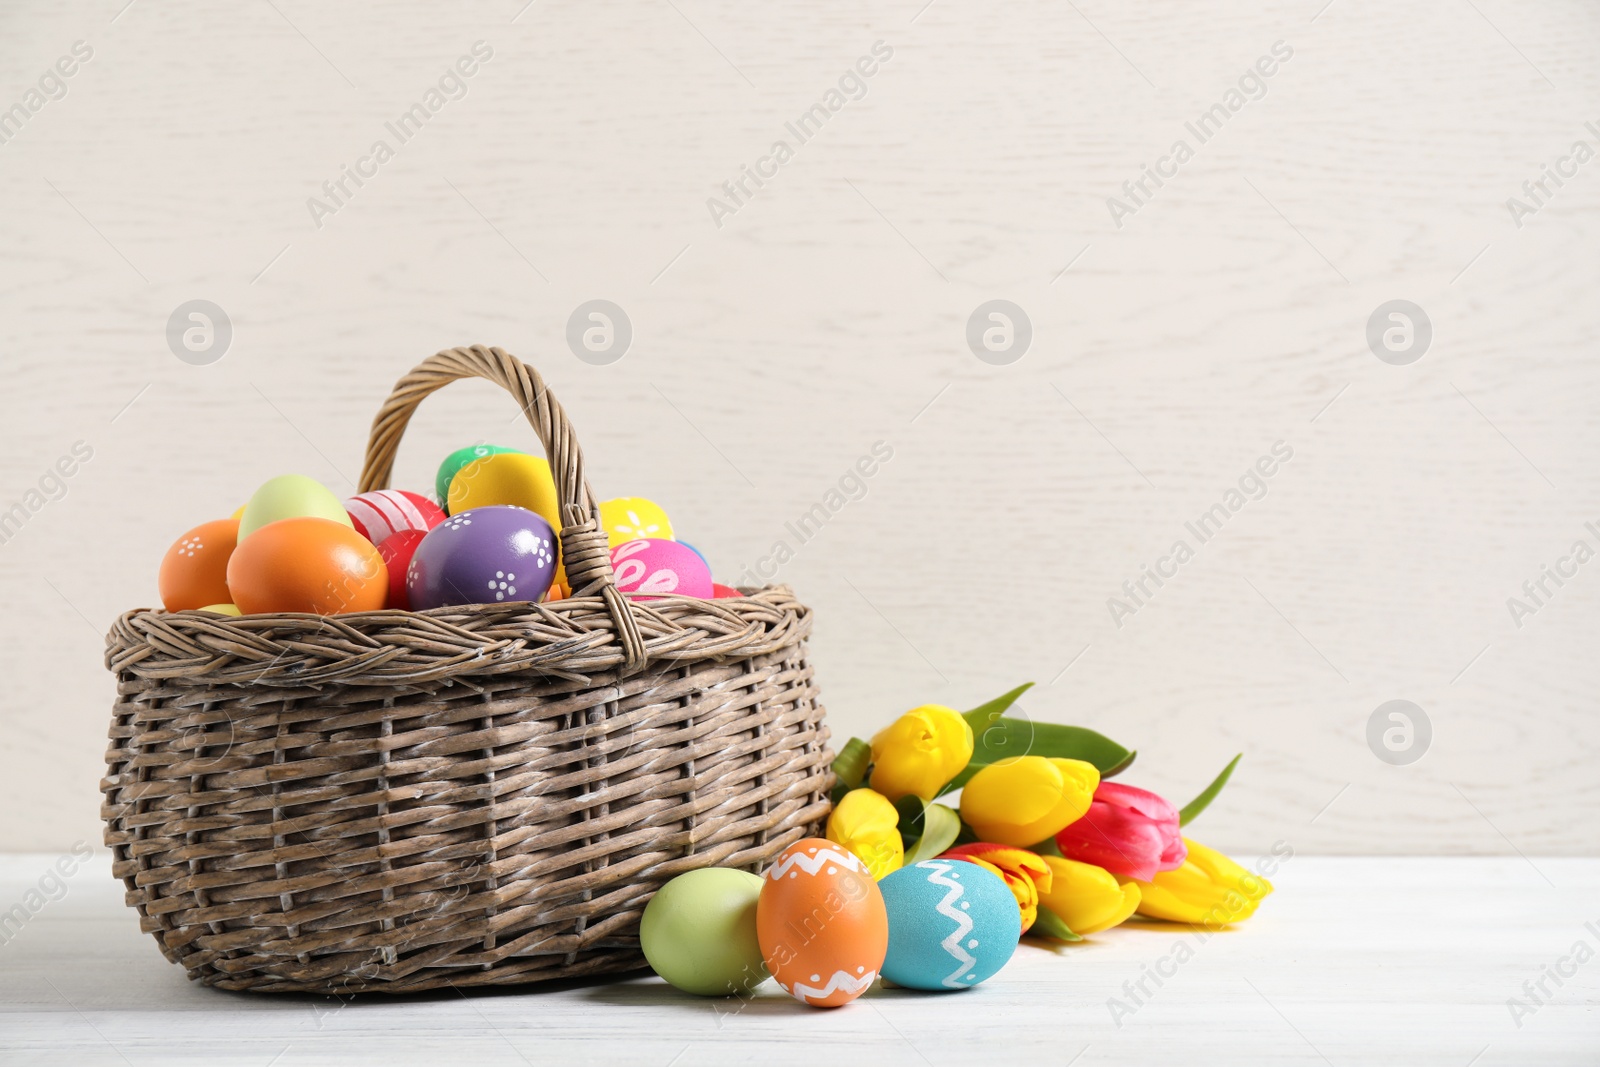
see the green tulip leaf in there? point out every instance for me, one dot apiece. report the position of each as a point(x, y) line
point(1009, 738)
point(850, 766)
point(1112, 772)
point(910, 808)
point(1049, 924)
point(984, 716)
point(1187, 813)
point(940, 828)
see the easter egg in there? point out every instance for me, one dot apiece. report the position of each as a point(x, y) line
point(307, 564)
point(699, 932)
point(483, 556)
point(822, 924)
point(697, 552)
point(397, 550)
point(238, 513)
point(512, 478)
point(629, 518)
point(384, 512)
point(290, 496)
point(194, 572)
point(650, 568)
point(723, 592)
point(951, 925)
point(458, 459)
point(223, 609)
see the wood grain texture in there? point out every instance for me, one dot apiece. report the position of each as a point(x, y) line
point(1351, 961)
point(828, 313)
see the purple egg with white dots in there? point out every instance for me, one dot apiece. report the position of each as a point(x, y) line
point(486, 555)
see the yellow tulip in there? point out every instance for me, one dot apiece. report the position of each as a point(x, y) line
point(1022, 801)
point(920, 752)
point(866, 823)
point(1087, 898)
point(1208, 890)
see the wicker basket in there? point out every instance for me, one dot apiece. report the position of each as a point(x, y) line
point(485, 794)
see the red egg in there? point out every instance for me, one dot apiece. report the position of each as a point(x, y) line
point(397, 550)
point(381, 514)
point(307, 565)
point(822, 923)
point(194, 572)
point(723, 592)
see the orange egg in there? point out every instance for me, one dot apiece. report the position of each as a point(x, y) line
point(822, 924)
point(307, 564)
point(194, 572)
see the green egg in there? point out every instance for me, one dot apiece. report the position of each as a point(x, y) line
point(458, 459)
point(699, 932)
point(290, 496)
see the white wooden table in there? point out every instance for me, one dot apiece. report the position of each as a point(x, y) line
point(1354, 960)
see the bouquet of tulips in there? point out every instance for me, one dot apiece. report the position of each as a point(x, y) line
point(1081, 853)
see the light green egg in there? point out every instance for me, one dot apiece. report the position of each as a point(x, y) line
point(290, 496)
point(699, 932)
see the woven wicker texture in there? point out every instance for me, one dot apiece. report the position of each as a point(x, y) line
point(485, 794)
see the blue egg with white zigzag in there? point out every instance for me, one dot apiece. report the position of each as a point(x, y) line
point(951, 925)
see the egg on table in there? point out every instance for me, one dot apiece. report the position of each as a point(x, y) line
point(291, 496)
point(649, 568)
point(194, 572)
point(384, 512)
point(458, 459)
point(628, 518)
point(699, 932)
point(483, 556)
point(951, 925)
point(822, 923)
point(307, 564)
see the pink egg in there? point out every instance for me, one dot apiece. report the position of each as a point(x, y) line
point(381, 514)
point(651, 567)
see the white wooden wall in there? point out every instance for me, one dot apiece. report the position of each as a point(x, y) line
point(829, 313)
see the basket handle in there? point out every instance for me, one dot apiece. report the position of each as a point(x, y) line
point(584, 549)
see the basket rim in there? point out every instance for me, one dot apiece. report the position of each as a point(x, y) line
point(575, 638)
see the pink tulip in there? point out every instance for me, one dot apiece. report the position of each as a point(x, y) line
point(1130, 832)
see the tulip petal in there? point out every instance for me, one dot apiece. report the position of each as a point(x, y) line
point(867, 824)
point(1087, 897)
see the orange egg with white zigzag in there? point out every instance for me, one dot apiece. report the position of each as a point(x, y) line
point(822, 924)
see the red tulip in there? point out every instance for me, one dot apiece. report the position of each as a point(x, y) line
point(1128, 831)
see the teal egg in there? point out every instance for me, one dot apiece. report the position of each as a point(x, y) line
point(951, 925)
point(699, 932)
point(455, 461)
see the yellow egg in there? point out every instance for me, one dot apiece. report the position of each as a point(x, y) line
point(238, 512)
point(222, 609)
point(507, 478)
point(628, 518)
